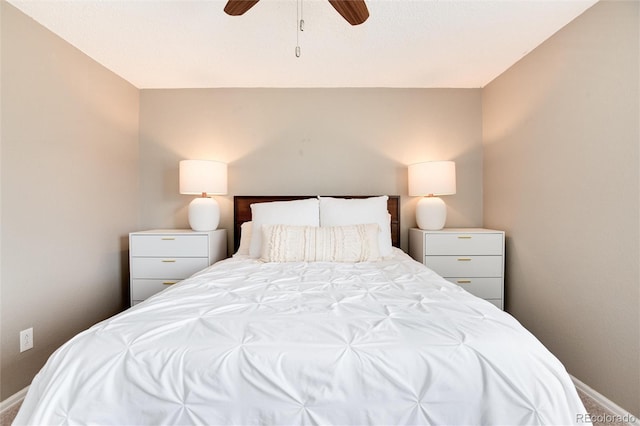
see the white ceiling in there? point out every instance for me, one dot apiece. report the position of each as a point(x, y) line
point(404, 43)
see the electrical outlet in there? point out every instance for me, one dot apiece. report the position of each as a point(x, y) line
point(26, 339)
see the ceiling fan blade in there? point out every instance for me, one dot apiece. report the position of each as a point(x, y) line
point(354, 11)
point(238, 7)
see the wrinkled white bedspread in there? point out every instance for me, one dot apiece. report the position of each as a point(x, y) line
point(245, 342)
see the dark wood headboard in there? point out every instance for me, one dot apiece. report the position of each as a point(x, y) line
point(242, 212)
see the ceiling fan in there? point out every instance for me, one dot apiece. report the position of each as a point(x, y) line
point(354, 11)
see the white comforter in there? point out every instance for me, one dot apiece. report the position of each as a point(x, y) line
point(245, 342)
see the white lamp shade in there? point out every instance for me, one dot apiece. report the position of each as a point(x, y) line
point(203, 176)
point(432, 178)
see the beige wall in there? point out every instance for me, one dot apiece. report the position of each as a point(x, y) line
point(560, 134)
point(561, 158)
point(309, 141)
point(69, 192)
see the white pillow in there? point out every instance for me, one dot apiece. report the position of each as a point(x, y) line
point(245, 239)
point(353, 211)
point(355, 243)
point(297, 212)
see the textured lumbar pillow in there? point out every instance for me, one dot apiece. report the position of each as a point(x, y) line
point(353, 243)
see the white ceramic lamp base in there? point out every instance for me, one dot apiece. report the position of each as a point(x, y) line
point(431, 213)
point(204, 214)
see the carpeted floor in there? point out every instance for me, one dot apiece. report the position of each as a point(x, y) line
point(599, 416)
point(7, 417)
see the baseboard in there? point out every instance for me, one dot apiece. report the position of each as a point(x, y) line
point(14, 399)
point(620, 414)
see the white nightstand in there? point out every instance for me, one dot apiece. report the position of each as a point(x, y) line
point(162, 257)
point(473, 258)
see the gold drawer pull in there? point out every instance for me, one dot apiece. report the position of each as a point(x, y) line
point(168, 238)
point(464, 281)
point(464, 259)
point(465, 237)
point(169, 282)
point(168, 260)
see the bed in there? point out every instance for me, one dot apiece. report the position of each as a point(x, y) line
point(313, 337)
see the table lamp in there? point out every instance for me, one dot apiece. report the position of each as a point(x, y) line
point(204, 178)
point(429, 180)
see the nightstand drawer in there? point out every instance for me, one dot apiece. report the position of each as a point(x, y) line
point(169, 245)
point(464, 243)
point(465, 266)
point(166, 267)
point(142, 289)
point(486, 288)
point(473, 258)
point(161, 256)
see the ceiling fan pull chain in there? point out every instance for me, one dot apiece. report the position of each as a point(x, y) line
point(301, 15)
point(300, 23)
